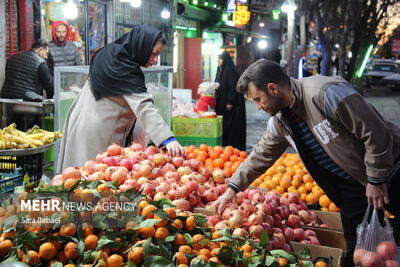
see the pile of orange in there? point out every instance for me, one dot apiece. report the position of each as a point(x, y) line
point(288, 174)
point(228, 159)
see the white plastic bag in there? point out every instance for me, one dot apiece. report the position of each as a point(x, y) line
point(375, 243)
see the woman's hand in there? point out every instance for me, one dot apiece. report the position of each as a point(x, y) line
point(229, 107)
point(228, 197)
point(175, 149)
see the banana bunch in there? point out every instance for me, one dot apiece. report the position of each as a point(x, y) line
point(12, 138)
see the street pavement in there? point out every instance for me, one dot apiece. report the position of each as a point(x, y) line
point(383, 99)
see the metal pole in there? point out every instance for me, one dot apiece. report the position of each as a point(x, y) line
point(290, 42)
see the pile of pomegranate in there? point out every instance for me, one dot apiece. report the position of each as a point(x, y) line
point(257, 210)
point(189, 184)
point(385, 255)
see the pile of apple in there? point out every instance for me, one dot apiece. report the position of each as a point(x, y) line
point(257, 210)
point(187, 182)
point(385, 255)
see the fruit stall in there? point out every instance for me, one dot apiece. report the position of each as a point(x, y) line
point(170, 220)
point(21, 155)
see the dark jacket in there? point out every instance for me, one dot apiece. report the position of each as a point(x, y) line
point(65, 55)
point(27, 73)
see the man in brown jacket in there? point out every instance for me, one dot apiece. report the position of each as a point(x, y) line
point(348, 148)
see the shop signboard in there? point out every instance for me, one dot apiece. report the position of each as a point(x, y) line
point(231, 7)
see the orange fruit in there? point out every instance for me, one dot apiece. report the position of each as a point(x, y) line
point(115, 260)
point(183, 265)
point(246, 254)
point(34, 257)
point(181, 258)
point(68, 229)
point(205, 252)
point(333, 208)
point(143, 204)
point(177, 224)
point(307, 178)
point(179, 240)
point(190, 223)
point(171, 212)
point(215, 252)
point(70, 250)
point(136, 255)
point(216, 235)
point(146, 211)
point(324, 201)
point(161, 233)
point(311, 198)
point(282, 262)
point(130, 225)
point(5, 247)
point(91, 242)
point(214, 259)
point(321, 264)
point(61, 257)
point(70, 183)
point(185, 249)
point(47, 251)
point(218, 163)
point(246, 248)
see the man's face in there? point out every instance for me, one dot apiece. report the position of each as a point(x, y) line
point(61, 32)
point(157, 50)
point(43, 52)
point(269, 102)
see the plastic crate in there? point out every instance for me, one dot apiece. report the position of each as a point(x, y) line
point(197, 127)
point(31, 165)
point(9, 180)
point(210, 141)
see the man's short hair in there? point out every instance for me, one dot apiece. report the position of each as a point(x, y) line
point(39, 44)
point(261, 73)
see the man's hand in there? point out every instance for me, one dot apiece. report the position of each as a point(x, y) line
point(377, 195)
point(228, 197)
point(175, 149)
point(229, 107)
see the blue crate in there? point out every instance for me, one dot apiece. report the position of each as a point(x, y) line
point(9, 180)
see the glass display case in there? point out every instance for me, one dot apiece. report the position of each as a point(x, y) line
point(68, 81)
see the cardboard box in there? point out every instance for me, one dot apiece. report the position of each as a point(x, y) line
point(321, 251)
point(329, 237)
point(332, 219)
point(204, 211)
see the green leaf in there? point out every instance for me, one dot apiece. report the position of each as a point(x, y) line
point(170, 238)
point(283, 254)
point(11, 259)
point(162, 203)
point(307, 264)
point(113, 215)
point(224, 238)
point(56, 264)
point(147, 223)
point(200, 219)
point(146, 246)
point(213, 264)
point(188, 238)
point(264, 239)
point(158, 261)
point(269, 260)
point(112, 185)
point(9, 221)
point(160, 213)
point(131, 264)
point(164, 251)
point(199, 263)
point(80, 247)
point(305, 254)
point(226, 254)
point(104, 242)
point(94, 184)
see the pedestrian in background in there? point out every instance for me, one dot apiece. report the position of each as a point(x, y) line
point(230, 103)
point(114, 98)
point(347, 147)
point(63, 51)
point(27, 78)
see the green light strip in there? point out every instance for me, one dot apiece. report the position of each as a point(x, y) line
point(360, 71)
point(185, 28)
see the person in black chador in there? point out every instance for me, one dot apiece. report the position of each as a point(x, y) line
point(230, 103)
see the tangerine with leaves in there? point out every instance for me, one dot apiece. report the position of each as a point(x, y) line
point(115, 260)
point(190, 223)
point(136, 255)
point(47, 251)
point(146, 232)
